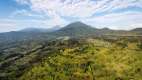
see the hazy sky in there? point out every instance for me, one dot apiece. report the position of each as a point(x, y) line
point(115, 14)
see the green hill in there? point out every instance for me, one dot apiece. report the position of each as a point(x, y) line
point(76, 29)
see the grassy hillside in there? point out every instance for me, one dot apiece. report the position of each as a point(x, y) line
point(95, 60)
point(74, 59)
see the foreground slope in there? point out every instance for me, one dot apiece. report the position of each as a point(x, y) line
point(73, 59)
point(91, 59)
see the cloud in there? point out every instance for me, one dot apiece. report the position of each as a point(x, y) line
point(25, 13)
point(78, 8)
point(59, 12)
point(125, 20)
point(71, 8)
point(6, 26)
point(23, 2)
point(14, 25)
point(111, 5)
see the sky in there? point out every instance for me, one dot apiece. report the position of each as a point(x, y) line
point(114, 14)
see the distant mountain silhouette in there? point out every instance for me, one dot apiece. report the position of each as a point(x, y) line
point(77, 29)
point(137, 30)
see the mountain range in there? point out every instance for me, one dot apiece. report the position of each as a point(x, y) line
point(76, 29)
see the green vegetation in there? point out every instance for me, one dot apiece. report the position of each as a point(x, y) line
point(95, 60)
point(74, 59)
